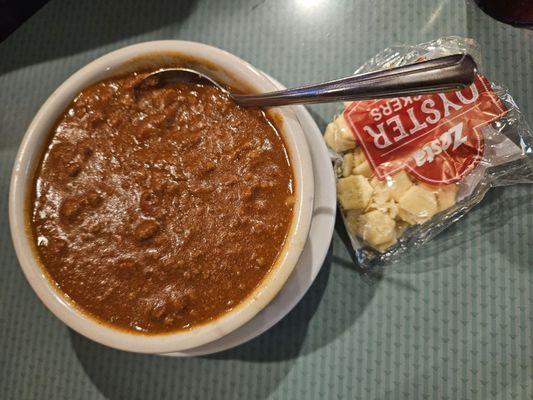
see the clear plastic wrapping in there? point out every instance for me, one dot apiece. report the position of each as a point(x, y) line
point(408, 168)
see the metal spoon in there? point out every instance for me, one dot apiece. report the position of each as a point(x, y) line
point(438, 75)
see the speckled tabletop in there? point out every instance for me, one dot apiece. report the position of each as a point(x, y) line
point(450, 321)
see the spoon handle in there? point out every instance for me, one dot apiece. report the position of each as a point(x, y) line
point(438, 75)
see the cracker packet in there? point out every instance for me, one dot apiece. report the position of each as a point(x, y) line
point(409, 167)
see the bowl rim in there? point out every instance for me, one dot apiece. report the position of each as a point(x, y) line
point(28, 156)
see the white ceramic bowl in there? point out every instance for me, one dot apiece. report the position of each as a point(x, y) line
point(226, 68)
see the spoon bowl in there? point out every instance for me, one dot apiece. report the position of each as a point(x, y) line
point(175, 75)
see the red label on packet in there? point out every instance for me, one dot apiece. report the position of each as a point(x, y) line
point(437, 138)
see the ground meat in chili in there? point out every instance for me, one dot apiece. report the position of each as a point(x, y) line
point(160, 211)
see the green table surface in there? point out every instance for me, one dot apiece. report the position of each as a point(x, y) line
point(450, 321)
